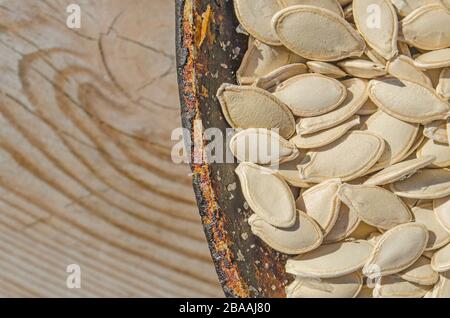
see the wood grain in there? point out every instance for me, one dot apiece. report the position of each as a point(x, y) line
point(86, 175)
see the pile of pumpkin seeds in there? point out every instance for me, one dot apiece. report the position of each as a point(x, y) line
point(354, 98)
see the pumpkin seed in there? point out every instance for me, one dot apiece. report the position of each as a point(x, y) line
point(398, 135)
point(433, 59)
point(251, 107)
point(403, 67)
point(346, 223)
point(397, 249)
point(331, 5)
point(425, 184)
point(399, 171)
point(299, 27)
point(310, 95)
point(420, 273)
point(357, 150)
point(304, 236)
point(441, 260)
point(262, 146)
point(442, 210)
point(438, 236)
point(375, 206)
point(417, 143)
point(347, 286)
point(330, 261)
point(443, 88)
point(256, 182)
point(405, 7)
point(321, 203)
point(395, 287)
point(362, 68)
point(270, 81)
point(289, 172)
point(427, 27)
point(382, 39)
point(262, 59)
point(325, 137)
point(408, 101)
point(357, 95)
point(326, 69)
point(437, 131)
point(440, 151)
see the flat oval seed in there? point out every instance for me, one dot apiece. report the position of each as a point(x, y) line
point(310, 95)
point(304, 236)
point(270, 81)
point(331, 5)
point(357, 152)
point(403, 67)
point(256, 183)
point(399, 171)
point(326, 69)
point(443, 88)
point(437, 131)
point(262, 59)
point(347, 286)
point(440, 151)
point(251, 107)
point(332, 260)
point(438, 236)
point(382, 37)
point(325, 137)
point(299, 27)
point(362, 68)
point(357, 95)
point(262, 146)
point(442, 210)
point(433, 59)
point(427, 27)
point(405, 7)
point(425, 184)
point(397, 250)
point(321, 203)
point(420, 273)
point(375, 205)
point(396, 287)
point(398, 135)
point(441, 260)
point(346, 223)
point(408, 101)
point(368, 108)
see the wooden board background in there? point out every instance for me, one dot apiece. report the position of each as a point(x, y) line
point(86, 175)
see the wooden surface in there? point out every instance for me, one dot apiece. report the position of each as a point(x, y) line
point(86, 175)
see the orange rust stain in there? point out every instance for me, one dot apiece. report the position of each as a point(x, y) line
point(206, 16)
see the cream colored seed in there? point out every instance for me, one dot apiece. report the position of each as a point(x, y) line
point(420, 273)
point(396, 287)
point(326, 69)
point(270, 81)
point(362, 68)
point(346, 223)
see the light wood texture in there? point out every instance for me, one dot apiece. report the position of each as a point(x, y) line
point(86, 175)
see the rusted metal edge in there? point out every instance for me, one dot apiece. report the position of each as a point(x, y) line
point(190, 34)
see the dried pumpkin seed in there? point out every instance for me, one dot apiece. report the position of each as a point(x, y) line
point(326, 69)
point(381, 36)
point(362, 68)
point(304, 236)
point(299, 27)
point(403, 67)
point(442, 210)
point(262, 146)
point(310, 95)
point(358, 151)
point(437, 131)
point(270, 81)
point(325, 137)
point(256, 183)
point(408, 101)
point(405, 7)
point(321, 203)
point(376, 206)
point(347, 286)
point(330, 261)
point(251, 107)
point(399, 171)
point(346, 223)
point(357, 95)
point(425, 184)
point(438, 236)
point(427, 27)
point(440, 151)
point(441, 260)
point(420, 273)
point(433, 59)
point(395, 287)
point(443, 88)
point(397, 249)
